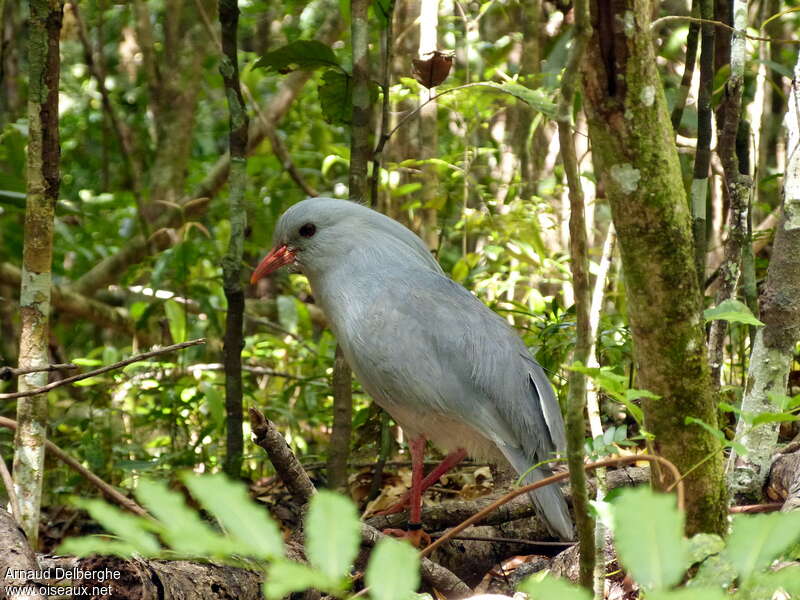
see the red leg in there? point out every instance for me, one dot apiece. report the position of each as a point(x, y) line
point(415, 534)
point(417, 449)
point(450, 461)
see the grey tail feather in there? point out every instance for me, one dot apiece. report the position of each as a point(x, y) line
point(549, 500)
point(550, 503)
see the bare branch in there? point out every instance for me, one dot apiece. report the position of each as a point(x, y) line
point(106, 369)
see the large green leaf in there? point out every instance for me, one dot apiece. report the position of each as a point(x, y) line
point(756, 540)
point(336, 97)
point(651, 546)
point(393, 571)
point(131, 530)
point(181, 526)
point(176, 317)
point(536, 99)
point(285, 577)
point(248, 523)
point(299, 55)
point(732, 311)
point(551, 588)
point(707, 593)
point(332, 533)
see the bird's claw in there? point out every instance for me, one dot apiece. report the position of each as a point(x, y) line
point(418, 538)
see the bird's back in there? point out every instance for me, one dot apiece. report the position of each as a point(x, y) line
point(444, 365)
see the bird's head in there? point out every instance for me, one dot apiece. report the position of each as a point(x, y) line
point(310, 232)
point(319, 233)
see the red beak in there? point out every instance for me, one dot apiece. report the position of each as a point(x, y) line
point(277, 257)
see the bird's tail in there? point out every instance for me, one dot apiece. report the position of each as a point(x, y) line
point(549, 500)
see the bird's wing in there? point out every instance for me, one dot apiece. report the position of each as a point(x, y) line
point(427, 343)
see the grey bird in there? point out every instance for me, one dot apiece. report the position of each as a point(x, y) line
point(441, 363)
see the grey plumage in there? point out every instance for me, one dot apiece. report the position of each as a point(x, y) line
point(428, 351)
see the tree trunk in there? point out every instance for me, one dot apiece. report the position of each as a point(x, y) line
point(632, 139)
point(232, 262)
point(43, 184)
point(774, 345)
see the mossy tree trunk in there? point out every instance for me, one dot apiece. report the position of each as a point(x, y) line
point(42, 194)
point(632, 140)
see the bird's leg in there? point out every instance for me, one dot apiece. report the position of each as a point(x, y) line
point(415, 533)
point(450, 461)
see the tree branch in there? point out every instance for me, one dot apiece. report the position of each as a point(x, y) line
point(100, 371)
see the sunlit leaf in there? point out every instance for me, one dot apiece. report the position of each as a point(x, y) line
point(651, 546)
point(732, 311)
point(244, 520)
point(332, 533)
point(393, 570)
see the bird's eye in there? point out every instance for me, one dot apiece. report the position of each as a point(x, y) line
point(308, 230)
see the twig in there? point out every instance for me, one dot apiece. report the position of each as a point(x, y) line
point(104, 487)
point(688, 68)
point(756, 508)
point(106, 369)
point(7, 373)
point(622, 460)
point(503, 540)
point(12, 493)
point(672, 18)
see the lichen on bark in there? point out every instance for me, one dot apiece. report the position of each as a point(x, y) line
point(42, 194)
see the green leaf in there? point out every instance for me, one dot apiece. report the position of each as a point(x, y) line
point(248, 523)
point(176, 316)
point(550, 588)
point(182, 528)
point(536, 99)
point(299, 55)
point(336, 97)
point(740, 448)
point(393, 570)
point(651, 546)
point(131, 530)
point(732, 311)
point(756, 540)
point(774, 418)
point(332, 533)
point(285, 577)
point(94, 544)
point(694, 593)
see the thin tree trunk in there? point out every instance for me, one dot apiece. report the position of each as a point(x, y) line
point(633, 147)
point(738, 183)
point(702, 159)
point(579, 261)
point(772, 354)
point(42, 194)
point(232, 262)
point(339, 451)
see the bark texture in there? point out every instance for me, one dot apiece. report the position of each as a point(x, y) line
point(631, 135)
point(42, 194)
point(15, 556)
point(780, 311)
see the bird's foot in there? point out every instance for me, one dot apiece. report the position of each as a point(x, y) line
point(414, 535)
